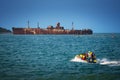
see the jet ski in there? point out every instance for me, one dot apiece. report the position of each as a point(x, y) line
point(86, 57)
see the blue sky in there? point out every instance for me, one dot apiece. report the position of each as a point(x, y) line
point(102, 16)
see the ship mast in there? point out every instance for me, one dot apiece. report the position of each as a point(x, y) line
point(72, 26)
point(38, 25)
point(28, 24)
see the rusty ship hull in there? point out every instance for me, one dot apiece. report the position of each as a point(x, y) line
point(50, 30)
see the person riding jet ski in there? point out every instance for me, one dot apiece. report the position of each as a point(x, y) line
point(89, 57)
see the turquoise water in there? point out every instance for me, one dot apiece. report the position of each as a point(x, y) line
point(48, 57)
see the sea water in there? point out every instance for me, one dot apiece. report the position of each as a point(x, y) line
point(49, 57)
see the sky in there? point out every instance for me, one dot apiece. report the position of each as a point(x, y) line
point(102, 16)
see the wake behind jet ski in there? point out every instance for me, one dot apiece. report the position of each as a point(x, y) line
point(87, 57)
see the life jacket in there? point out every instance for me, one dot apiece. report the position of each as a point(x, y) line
point(90, 54)
point(83, 57)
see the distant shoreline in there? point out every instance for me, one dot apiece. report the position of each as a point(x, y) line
point(4, 31)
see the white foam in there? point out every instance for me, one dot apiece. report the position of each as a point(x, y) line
point(77, 60)
point(105, 61)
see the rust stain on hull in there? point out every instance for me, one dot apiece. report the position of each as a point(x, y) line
point(50, 30)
